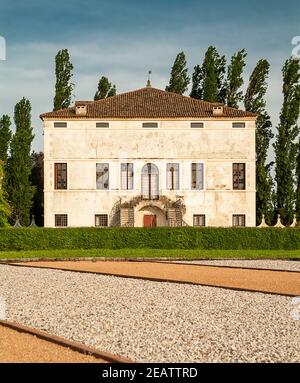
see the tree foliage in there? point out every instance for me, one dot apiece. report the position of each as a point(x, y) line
point(235, 79)
point(37, 180)
point(105, 89)
point(255, 102)
point(179, 80)
point(285, 145)
point(5, 137)
point(5, 210)
point(63, 86)
point(19, 187)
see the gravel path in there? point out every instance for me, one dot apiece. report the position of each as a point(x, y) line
point(256, 264)
point(149, 321)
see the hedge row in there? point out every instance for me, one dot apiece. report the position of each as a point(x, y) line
point(158, 238)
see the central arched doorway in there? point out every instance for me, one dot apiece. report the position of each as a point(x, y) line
point(150, 182)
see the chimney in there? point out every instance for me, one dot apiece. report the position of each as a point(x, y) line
point(80, 108)
point(218, 110)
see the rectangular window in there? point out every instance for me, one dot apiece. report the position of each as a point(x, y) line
point(173, 176)
point(239, 176)
point(197, 176)
point(60, 124)
point(197, 125)
point(150, 125)
point(239, 125)
point(101, 220)
point(102, 124)
point(102, 176)
point(61, 220)
point(239, 220)
point(127, 176)
point(199, 220)
point(60, 176)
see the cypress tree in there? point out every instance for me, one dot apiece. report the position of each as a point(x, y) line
point(255, 102)
point(285, 146)
point(235, 78)
point(63, 86)
point(105, 89)
point(20, 190)
point(179, 80)
point(5, 137)
point(5, 210)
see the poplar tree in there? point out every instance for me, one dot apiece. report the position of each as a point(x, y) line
point(179, 80)
point(235, 79)
point(63, 86)
point(197, 86)
point(213, 73)
point(255, 102)
point(285, 145)
point(5, 210)
point(20, 190)
point(5, 137)
point(105, 89)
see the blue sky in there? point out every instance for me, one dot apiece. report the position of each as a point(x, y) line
point(124, 39)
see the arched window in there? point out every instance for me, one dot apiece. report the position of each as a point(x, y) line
point(150, 182)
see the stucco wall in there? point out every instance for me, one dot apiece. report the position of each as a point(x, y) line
point(217, 146)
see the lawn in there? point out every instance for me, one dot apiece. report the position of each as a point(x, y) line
point(153, 253)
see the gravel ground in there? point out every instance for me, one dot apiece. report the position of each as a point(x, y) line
point(153, 322)
point(256, 264)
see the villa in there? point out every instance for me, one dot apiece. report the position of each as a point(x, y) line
point(149, 158)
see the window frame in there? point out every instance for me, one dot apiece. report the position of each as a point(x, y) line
point(239, 216)
point(102, 215)
point(106, 125)
point(175, 184)
point(196, 216)
point(60, 216)
point(56, 173)
point(128, 179)
point(201, 164)
point(238, 177)
point(236, 123)
point(149, 125)
point(103, 173)
point(197, 123)
point(63, 125)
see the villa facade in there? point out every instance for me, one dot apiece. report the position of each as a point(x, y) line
point(149, 158)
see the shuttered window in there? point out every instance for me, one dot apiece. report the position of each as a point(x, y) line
point(127, 176)
point(173, 176)
point(239, 176)
point(199, 220)
point(102, 176)
point(238, 220)
point(60, 176)
point(197, 176)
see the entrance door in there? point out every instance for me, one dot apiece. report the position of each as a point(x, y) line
point(149, 220)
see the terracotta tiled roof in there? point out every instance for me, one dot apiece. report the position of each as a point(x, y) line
point(148, 103)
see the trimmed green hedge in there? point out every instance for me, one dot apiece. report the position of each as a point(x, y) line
point(157, 238)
